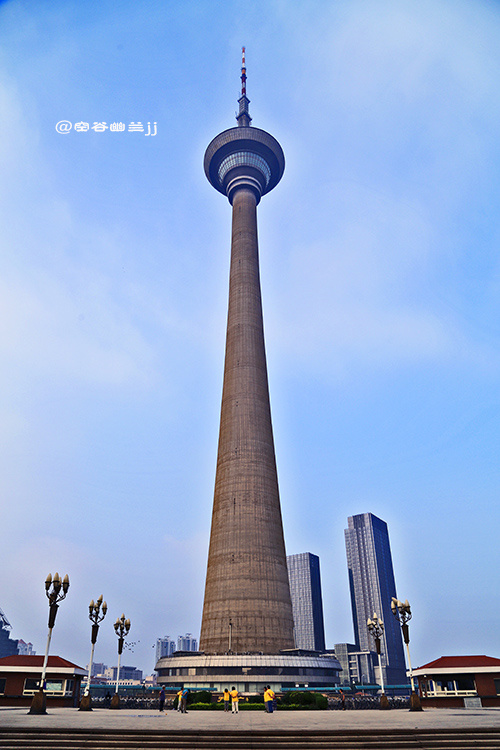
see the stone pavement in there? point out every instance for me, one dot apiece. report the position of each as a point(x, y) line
point(432, 718)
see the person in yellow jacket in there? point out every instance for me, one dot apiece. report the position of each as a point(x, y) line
point(179, 697)
point(234, 700)
point(227, 699)
point(268, 699)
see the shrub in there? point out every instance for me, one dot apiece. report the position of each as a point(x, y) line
point(297, 700)
point(255, 698)
point(321, 701)
point(201, 696)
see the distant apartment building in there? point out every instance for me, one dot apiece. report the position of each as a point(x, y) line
point(307, 602)
point(372, 585)
point(25, 649)
point(165, 647)
point(98, 668)
point(187, 643)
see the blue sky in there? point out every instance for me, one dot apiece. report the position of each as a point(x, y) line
point(380, 277)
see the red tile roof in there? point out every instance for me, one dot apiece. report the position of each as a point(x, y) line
point(454, 662)
point(36, 661)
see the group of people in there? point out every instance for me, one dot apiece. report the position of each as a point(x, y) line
point(182, 696)
point(231, 697)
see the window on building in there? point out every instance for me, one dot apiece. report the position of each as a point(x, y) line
point(30, 685)
point(53, 687)
point(497, 687)
point(3, 681)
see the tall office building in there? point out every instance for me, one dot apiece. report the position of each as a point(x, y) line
point(307, 602)
point(371, 580)
point(247, 622)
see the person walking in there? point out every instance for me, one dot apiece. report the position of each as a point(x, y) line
point(184, 698)
point(342, 698)
point(162, 698)
point(234, 700)
point(227, 700)
point(179, 697)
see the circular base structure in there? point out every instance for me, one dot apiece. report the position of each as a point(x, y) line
point(249, 673)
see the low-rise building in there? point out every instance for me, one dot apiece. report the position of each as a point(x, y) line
point(457, 681)
point(20, 679)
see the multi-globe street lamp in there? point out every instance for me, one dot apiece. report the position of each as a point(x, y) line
point(96, 615)
point(55, 590)
point(122, 627)
point(376, 630)
point(402, 613)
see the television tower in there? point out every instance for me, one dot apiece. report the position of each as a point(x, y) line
point(247, 605)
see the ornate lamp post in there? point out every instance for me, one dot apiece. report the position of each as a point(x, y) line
point(402, 613)
point(122, 627)
point(376, 630)
point(55, 590)
point(96, 615)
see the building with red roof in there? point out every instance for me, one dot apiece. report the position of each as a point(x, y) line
point(20, 679)
point(457, 681)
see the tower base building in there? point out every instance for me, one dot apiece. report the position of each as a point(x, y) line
point(250, 673)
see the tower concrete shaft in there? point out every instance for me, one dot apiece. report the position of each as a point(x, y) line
point(247, 595)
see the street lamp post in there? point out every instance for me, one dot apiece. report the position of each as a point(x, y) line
point(55, 590)
point(96, 615)
point(122, 627)
point(402, 613)
point(376, 630)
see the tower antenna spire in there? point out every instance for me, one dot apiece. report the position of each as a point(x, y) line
point(243, 116)
point(243, 73)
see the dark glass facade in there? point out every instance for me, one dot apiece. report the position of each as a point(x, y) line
point(372, 584)
point(307, 602)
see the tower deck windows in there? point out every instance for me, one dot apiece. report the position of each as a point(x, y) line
point(244, 159)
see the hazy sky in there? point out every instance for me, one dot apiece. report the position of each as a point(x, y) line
point(380, 275)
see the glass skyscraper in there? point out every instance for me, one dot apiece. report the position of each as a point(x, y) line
point(307, 603)
point(371, 581)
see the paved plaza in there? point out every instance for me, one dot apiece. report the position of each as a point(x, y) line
point(432, 718)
